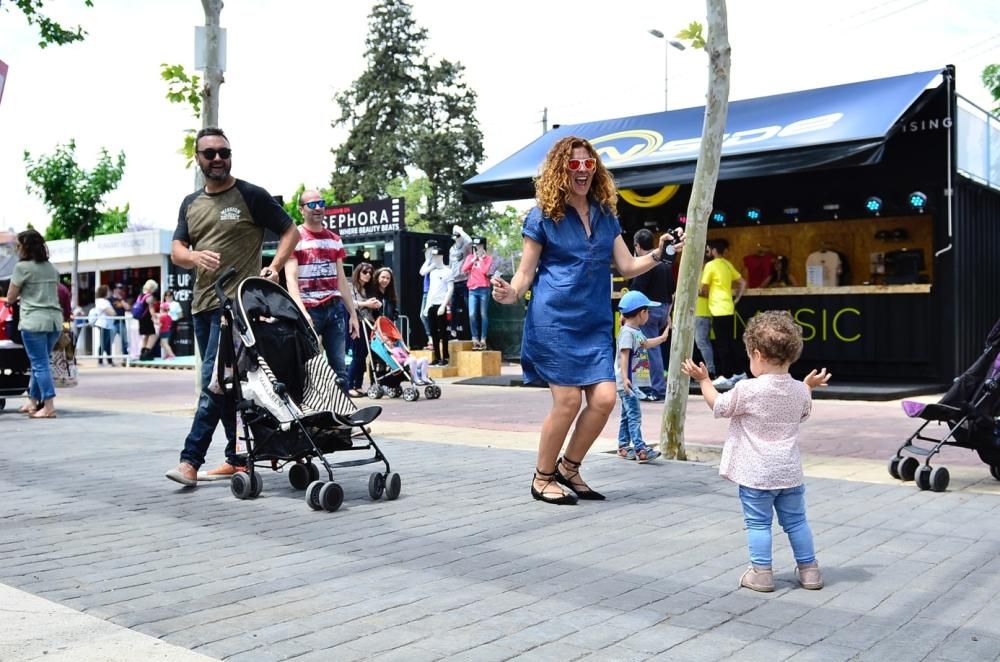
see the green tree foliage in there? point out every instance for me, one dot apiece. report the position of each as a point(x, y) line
point(991, 80)
point(377, 108)
point(50, 31)
point(184, 88)
point(448, 145)
point(693, 34)
point(405, 112)
point(72, 194)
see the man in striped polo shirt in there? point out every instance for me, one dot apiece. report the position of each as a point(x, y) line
point(323, 287)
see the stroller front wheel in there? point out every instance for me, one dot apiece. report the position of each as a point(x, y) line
point(331, 495)
point(376, 486)
point(241, 486)
point(374, 392)
point(312, 494)
point(410, 394)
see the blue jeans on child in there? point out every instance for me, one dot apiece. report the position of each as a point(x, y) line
point(630, 429)
point(211, 407)
point(790, 504)
point(38, 345)
point(479, 316)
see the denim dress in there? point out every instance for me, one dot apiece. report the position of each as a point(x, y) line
point(568, 329)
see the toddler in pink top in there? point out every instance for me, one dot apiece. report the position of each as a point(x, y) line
point(761, 454)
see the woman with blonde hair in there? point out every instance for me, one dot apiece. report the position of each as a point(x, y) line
point(569, 242)
point(143, 310)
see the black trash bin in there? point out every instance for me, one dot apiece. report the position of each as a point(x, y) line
point(182, 337)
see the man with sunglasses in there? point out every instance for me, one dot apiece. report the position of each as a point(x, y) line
point(323, 287)
point(658, 282)
point(219, 227)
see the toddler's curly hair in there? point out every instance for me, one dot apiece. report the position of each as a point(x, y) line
point(775, 335)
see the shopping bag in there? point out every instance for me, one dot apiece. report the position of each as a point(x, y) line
point(64, 369)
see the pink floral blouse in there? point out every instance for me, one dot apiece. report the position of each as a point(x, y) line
point(762, 447)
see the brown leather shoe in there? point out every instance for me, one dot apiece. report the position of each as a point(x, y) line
point(809, 576)
point(222, 472)
point(185, 474)
point(758, 578)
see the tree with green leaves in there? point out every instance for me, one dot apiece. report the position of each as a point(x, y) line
point(51, 32)
point(448, 145)
point(73, 194)
point(991, 80)
point(378, 107)
point(185, 89)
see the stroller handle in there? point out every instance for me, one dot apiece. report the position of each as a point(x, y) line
point(220, 283)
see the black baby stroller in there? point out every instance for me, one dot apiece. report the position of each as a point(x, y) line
point(385, 372)
point(969, 410)
point(285, 397)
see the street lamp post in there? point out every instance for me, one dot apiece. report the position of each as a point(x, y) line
point(668, 43)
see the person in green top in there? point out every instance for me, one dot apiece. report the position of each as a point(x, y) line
point(35, 284)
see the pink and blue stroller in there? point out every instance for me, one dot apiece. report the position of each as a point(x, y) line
point(969, 411)
point(387, 374)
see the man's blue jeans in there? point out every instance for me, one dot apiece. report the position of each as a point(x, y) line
point(331, 327)
point(479, 316)
point(38, 345)
point(630, 429)
point(653, 327)
point(210, 405)
point(790, 504)
point(703, 339)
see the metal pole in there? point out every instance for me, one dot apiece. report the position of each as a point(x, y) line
point(666, 72)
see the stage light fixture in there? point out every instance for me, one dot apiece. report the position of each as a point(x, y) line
point(874, 205)
point(833, 207)
point(718, 216)
point(753, 214)
point(791, 211)
point(918, 201)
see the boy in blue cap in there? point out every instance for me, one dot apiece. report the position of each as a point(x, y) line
point(632, 344)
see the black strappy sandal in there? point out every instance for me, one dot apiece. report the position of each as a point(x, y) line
point(581, 489)
point(549, 478)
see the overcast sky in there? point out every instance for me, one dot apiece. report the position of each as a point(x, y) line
point(586, 60)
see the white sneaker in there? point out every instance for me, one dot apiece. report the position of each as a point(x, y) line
point(721, 381)
point(738, 378)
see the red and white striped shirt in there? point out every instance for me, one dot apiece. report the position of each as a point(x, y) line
point(317, 254)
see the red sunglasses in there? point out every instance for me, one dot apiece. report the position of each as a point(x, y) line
point(582, 164)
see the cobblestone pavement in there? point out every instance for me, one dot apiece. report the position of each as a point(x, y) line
point(466, 566)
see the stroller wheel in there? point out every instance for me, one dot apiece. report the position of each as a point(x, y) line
point(995, 471)
point(894, 467)
point(432, 392)
point(313, 471)
point(393, 486)
point(299, 475)
point(241, 486)
point(312, 494)
point(374, 392)
point(395, 392)
point(410, 394)
point(256, 485)
point(908, 468)
point(376, 485)
point(939, 479)
point(923, 478)
point(331, 496)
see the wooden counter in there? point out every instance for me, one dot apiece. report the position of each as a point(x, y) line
point(916, 288)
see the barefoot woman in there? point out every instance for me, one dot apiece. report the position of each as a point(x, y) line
point(570, 240)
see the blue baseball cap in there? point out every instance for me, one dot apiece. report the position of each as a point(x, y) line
point(634, 300)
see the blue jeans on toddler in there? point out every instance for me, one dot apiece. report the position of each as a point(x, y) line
point(790, 504)
point(630, 429)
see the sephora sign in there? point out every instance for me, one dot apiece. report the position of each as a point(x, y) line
point(365, 218)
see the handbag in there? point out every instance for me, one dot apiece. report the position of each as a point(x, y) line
point(62, 365)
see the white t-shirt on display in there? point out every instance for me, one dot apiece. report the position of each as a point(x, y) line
point(830, 263)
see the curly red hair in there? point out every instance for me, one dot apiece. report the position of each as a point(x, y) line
point(552, 186)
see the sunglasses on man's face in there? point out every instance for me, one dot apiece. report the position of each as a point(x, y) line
point(210, 153)
point(315, 204)
point(582, 164)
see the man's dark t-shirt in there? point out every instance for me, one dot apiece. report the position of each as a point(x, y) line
point(230, 223)
point(657, 283)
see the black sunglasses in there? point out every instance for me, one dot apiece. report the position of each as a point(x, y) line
point(315, 204)
point(211, 153)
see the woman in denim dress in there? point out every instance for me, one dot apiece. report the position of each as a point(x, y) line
point(570, 241)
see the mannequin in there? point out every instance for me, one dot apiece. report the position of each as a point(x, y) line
point(428, 246)
point(461, 248)
point(479, 267)
point(440, 290)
